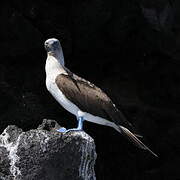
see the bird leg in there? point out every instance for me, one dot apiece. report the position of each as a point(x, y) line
point(79, 128)
point(80, 123)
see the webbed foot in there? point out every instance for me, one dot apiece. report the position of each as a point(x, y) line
point(64, 130)
point(79, 128)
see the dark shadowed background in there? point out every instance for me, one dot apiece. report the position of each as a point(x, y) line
point(129, 48)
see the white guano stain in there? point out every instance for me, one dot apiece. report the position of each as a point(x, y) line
point(12, 150)
point(43, 140)
point(87, 161)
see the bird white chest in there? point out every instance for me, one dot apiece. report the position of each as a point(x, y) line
point(53, 69)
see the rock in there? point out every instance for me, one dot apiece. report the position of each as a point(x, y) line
point(160, 17)
point(45, 154)
point(15, 28)
point(25, 107)
point(89, 18)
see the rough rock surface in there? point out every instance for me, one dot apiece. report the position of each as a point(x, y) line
point(45, 154)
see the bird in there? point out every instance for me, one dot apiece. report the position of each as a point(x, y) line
point(82, 98)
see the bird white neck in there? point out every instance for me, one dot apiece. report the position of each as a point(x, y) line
point(58, 55)
point(54, 66)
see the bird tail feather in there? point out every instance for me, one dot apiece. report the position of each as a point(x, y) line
point(131, 137)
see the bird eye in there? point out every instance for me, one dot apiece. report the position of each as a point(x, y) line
point(56, 44)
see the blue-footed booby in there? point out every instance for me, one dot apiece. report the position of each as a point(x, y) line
point(82, 98)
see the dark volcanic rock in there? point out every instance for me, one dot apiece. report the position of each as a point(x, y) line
point(46, 155)
point(15, 28)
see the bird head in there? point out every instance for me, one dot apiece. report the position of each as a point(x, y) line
point(52, 46)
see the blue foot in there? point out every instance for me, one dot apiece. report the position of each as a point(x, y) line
point(79, 128)
point(73, 129)
point(62, 130)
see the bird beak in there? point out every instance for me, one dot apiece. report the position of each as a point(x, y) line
point(47, 47)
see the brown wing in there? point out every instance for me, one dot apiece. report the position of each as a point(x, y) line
point(90, 98)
